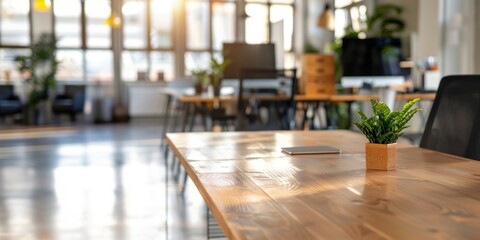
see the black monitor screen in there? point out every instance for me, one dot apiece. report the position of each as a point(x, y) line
point(243, 56)
point(371, 57)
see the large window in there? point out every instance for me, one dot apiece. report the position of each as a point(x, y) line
point(15, 36)
point(149, 48)
point(351, 15)
point(208, 25)
point(84, 40)
point(15, 22)
point(262, 14)
point(147, 40)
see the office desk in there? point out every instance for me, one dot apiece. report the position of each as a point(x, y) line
point(257, 192)
point(314, 101)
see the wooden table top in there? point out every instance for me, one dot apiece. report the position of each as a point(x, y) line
point(206, 98)
point(361, 97)
point(257, 192)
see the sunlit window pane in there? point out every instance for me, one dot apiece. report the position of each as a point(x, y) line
point(8, 66)
point(341, 22)
point(285, 13)
point(223, 24)
point(98, 33)
point(134, 24)
point(282, 1)
point(71, 65)
point(99, 65)
point(342, 3)
point(289, 60)
point(162, 66)
point(161, 23)
point(134, 65)
point(197, 25)
point(257, 24)
point(196, 60)
point(68, 23)
point(15, 24)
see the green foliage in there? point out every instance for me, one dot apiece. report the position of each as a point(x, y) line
point(217, 68)
point(385, 21)
point(201, 76)
point(385, 126)
point(309, 48)
point(39, 68)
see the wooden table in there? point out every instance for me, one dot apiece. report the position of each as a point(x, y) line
point(314, 101)
point(257, 192)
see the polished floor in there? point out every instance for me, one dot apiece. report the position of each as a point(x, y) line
point(99, 182)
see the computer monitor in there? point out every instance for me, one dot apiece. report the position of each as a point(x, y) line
point(248, 56)
point(373, 61)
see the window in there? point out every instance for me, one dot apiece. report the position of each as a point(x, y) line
point(15, 22)
point(209, 25)
point(15, 36)
point(148, 31)
point(351, 15)
point(258, 25)
point(68, 23)
point(147, 40)
point(98, 33)
point(7, 65)
point(84, 49)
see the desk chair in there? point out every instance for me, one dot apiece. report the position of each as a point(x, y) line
point(246, 109)
point(10, 103)
point(71, 102)
point(453, 125)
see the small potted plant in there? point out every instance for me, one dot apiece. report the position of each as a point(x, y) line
point(382, 130)
point(216, 73)
point(201, 78)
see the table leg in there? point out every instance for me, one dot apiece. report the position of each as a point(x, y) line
point(186, 115)
point(166, 116)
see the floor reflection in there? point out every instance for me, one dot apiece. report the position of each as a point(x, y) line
point(97, 182)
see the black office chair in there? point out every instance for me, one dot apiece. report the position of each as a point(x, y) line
point(453, 125)
point(71, 102)
point(10, 103)
point(247, 110)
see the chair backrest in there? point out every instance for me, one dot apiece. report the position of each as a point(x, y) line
point(453, 125)
point(6, 91)
point(77, 93)
point(285, 77)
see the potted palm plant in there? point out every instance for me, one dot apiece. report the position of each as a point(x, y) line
point(201, 78)
point(39, 71)
point(217, 68)
point(382, 130)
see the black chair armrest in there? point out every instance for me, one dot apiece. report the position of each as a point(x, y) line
point(14, 98)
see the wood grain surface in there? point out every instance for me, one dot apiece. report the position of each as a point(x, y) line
point(257, 192)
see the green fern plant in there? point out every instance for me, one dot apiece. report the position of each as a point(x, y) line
point(386, 126)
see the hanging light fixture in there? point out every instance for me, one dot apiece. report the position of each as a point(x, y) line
point(326, 19)
point(113, 21)
point(42, 5)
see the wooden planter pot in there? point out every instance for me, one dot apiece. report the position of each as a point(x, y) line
point(381, 156)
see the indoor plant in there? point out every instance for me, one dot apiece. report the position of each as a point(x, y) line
point(383, 129)
point(216, 73)
point(201, 78)
point(39, 68)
